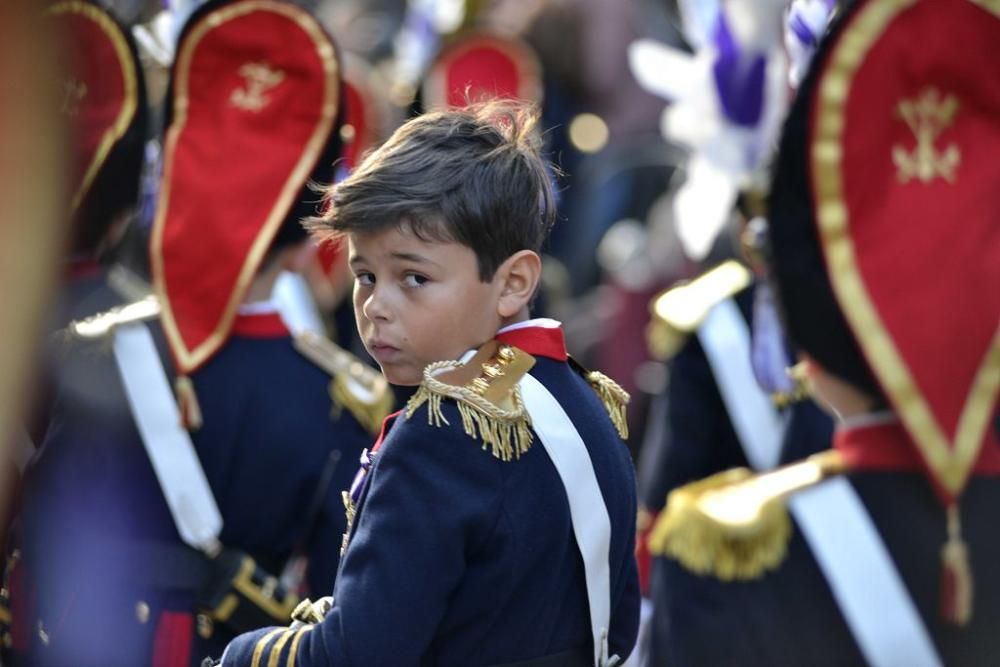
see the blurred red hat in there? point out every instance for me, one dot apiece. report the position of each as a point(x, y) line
point(887, 178)
point(102, 97)
point(478, 65)
point(252, 119)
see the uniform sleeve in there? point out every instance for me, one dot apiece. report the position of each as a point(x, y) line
point(434, 497)
point(625, 610)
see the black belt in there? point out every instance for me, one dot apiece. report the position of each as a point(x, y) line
point(165, 565)
point(578, 657)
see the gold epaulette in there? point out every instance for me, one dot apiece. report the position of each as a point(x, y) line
point(680, 310)
point(101, 325)
point(486, 390)
point(615, 400)
point(735, 525)
point(356, 387)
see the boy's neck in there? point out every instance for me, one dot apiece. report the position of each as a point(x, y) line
point(521, 316)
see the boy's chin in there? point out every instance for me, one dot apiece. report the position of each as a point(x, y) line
point(400, 377)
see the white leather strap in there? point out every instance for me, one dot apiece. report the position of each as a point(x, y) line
point(589, 515)
point(296, 304)
point(725, 338)
point(864, 580)
point(168, 445)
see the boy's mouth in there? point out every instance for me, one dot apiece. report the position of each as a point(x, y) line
point(382, 352)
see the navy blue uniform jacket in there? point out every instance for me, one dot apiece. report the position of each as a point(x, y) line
point(94, 517)
point(460, 559)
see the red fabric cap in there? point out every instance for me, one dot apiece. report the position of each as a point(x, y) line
point(256, 89)
point(485, 66)
point(905, 131)
point(98, 94)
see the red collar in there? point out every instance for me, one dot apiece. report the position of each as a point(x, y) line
point(386, 425)
point(888, 447)
point(260, 325)
point(537, 341)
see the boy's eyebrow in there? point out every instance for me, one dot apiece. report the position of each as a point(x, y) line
point(405, 256)
point(411, 257)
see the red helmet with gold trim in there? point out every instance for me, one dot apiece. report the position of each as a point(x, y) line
point(884, 222)
point(480, 64)
point(102, 97)
point(252, 122)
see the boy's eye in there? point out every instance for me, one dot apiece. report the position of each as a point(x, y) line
point(366, 279)
point(414, 280)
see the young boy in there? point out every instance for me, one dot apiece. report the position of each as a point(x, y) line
point(463, 548)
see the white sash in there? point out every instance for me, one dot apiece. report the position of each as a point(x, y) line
point(725, 338)
point(296, 304)
point(168, 445)
point(865, 584)
point(588, 513)
point(864, 580)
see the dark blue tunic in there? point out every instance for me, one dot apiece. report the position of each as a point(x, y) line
point(459, 559)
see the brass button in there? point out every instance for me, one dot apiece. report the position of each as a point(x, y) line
point(42, 634)
point(142, 612)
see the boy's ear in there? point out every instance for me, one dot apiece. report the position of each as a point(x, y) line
point(518, 278)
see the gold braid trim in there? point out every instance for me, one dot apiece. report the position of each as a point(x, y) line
point(258, 651)
point(293, 651)
point(507, 432)
point(278, 647)
point(615, 400)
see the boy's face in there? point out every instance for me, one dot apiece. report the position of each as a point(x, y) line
point(417, 302)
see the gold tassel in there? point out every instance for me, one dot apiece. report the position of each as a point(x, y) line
point(508, 435)
point(615, 400)
point(187, 403)
point(703, 545)
point(956, 575)
point(369, 414)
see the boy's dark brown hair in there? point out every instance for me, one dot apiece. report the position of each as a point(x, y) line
point(473, 176)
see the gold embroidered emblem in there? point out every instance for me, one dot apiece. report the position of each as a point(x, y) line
point(259, 78)
point(73, 93)
point(927, 116)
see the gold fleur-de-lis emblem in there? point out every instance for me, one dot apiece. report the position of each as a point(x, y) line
point(927, 116)
point(258, 79)
point(73, 92)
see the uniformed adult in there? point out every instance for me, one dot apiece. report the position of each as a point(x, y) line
point(883, 241)
point(151, 543)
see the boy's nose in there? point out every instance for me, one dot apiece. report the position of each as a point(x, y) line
point(374, 306)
